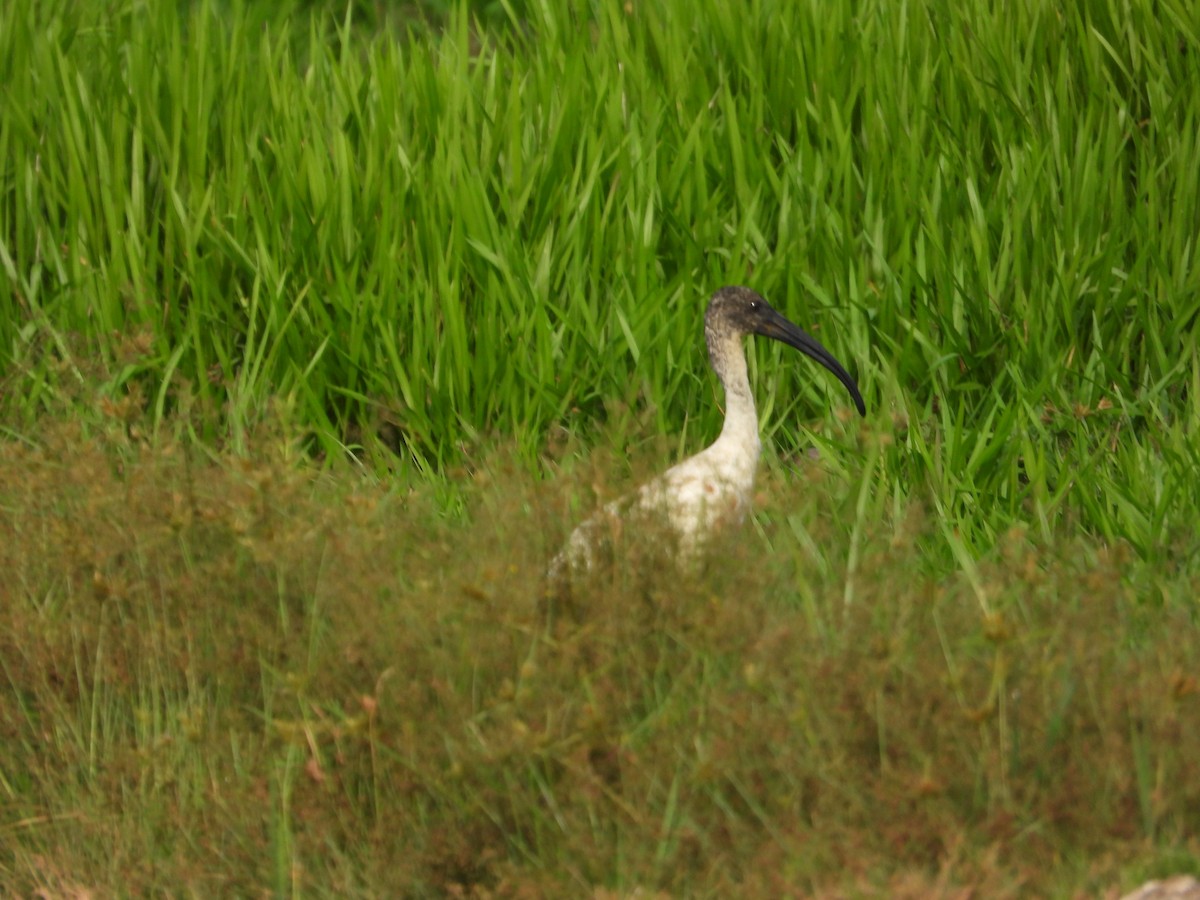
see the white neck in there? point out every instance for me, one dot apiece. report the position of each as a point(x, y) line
point(741, 419)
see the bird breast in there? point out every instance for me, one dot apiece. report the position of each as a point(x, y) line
point(694, 499)
point(703, 494)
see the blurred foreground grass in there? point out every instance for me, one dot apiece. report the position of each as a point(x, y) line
point(236, 676)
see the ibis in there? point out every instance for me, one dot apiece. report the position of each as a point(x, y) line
point(710, 490)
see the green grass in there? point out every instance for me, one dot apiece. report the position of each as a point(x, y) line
point(301, 308)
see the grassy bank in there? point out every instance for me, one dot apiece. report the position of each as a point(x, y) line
point(316, 336)
point(242, 678)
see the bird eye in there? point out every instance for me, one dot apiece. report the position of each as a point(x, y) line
point(754, 304)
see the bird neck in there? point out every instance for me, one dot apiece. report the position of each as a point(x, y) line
point(741, 418)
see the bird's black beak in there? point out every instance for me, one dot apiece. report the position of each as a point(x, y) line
point(773, 325)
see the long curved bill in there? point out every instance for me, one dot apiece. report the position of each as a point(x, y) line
point(777, 327)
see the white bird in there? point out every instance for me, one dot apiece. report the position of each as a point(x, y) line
point(711, 489)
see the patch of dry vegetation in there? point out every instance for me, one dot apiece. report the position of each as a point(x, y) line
point(239, 676)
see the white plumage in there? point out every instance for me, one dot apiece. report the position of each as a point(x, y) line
point(711, 489)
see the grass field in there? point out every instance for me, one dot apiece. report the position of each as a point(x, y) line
point(321, 326)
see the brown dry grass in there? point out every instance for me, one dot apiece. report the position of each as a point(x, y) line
point(239, 676)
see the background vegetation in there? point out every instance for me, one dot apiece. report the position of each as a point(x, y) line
point(320, 326)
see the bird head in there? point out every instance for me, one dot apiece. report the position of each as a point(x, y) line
point(741, 311)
